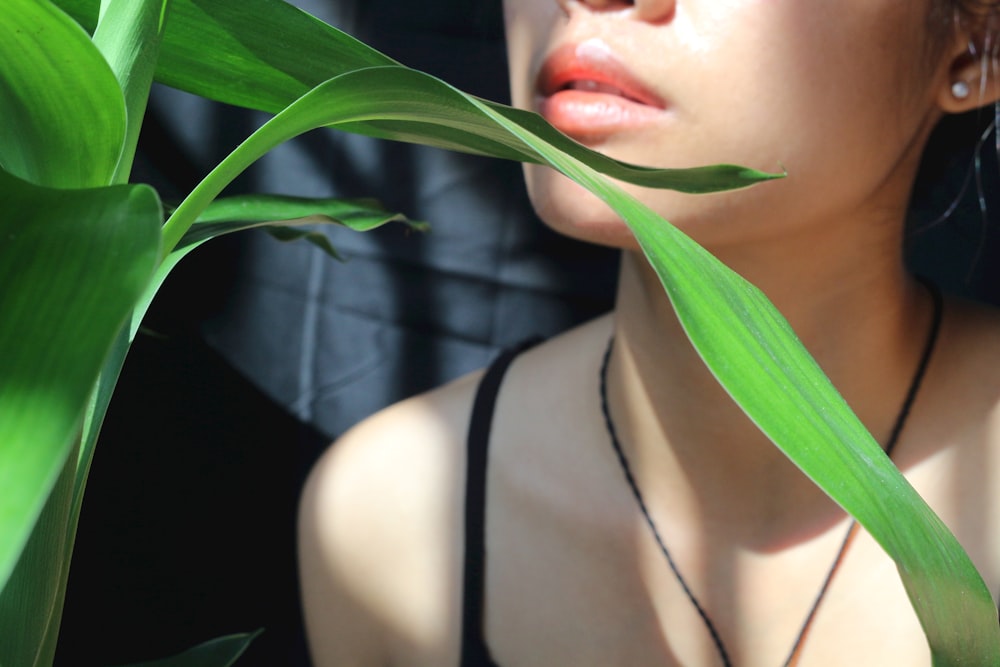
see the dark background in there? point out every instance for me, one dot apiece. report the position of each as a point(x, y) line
point(256, 353)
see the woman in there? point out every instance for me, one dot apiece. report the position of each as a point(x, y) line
point(711, 548)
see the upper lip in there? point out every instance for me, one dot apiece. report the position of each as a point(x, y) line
point(592, 62)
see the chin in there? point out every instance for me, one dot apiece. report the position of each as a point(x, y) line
point(570, 209)
point(717, 221)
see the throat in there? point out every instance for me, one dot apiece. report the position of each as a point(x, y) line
point(708, 468)
point(694, 449)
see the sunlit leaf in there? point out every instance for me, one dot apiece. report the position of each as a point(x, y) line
point(756, 356)
point(741, 336)
point(258, 54)
point(247, 54)
point(31, 602)
point(129, 38)
point(61, 323)
point(445, 116)
point(63, 116)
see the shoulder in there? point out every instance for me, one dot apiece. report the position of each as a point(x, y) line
point(378, 538)
point(969, 354)
point(957, 424)
point(967, 395)
point(381, 514)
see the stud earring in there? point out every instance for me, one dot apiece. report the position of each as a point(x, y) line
point(960, 90)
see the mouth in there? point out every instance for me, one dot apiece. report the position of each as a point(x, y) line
point(586, 92)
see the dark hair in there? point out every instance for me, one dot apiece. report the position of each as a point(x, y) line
point(978, 16)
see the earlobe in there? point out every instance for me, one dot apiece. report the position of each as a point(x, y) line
point(973, 80)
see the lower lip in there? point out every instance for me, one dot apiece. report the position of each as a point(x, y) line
point(589, 116)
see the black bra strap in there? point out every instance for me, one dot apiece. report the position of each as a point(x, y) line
point(475, 652)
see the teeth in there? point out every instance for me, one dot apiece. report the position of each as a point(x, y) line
point(594, 87)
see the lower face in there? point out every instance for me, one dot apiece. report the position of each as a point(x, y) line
point(839, 95)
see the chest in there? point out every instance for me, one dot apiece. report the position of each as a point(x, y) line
point(562, 589)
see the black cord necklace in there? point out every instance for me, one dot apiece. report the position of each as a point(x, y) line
point(904, 411)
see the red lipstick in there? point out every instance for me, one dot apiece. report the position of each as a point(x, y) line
point(588, 93)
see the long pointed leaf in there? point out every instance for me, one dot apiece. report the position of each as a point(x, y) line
point(234, 214)
point(273, 213)
point(129, 36)
point(31, 602)
point(247, 52)
point(730, 322)
point(52, 78)
point(938, 576)
point(62, 323)
point(756, 356)
point(220, 652)
point(428, 105)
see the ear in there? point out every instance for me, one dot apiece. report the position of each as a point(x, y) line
point(973, 70)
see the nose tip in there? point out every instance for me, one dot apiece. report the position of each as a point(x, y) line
point(652, 11)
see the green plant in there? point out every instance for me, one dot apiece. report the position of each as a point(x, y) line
point(84, 253)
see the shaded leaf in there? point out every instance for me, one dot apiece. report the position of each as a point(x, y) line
point(321, 241)
point(233, 214)
point(220, 652)
point(276, 214)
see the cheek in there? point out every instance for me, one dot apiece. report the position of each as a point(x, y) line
point(833, 101)
point(528, 26)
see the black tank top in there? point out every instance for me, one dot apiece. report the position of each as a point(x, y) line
point(475, 651)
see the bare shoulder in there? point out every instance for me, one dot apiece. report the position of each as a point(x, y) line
point(380, 520)
point(970, 349)
point(961, 397)
point(957, 426)
point(377, 533)
point(968, 394)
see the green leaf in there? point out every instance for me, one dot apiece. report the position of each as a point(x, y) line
point(221, 652)
point(734, 327)
point(276, 214)
point(318, 239)
point(93, 420)
point(61, 322)
point(756, 356)
point(233, 214)
point(437, 113)
point(31, 603)
point(62, 110)
point(84, 12)
point(259, 54)
point(36, 591)
point(129, 36)
point(250, 52)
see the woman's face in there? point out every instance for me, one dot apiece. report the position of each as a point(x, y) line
point(840, 94)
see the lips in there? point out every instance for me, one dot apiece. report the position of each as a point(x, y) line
point(587, 93)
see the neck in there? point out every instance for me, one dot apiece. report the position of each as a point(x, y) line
point(866, 329)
